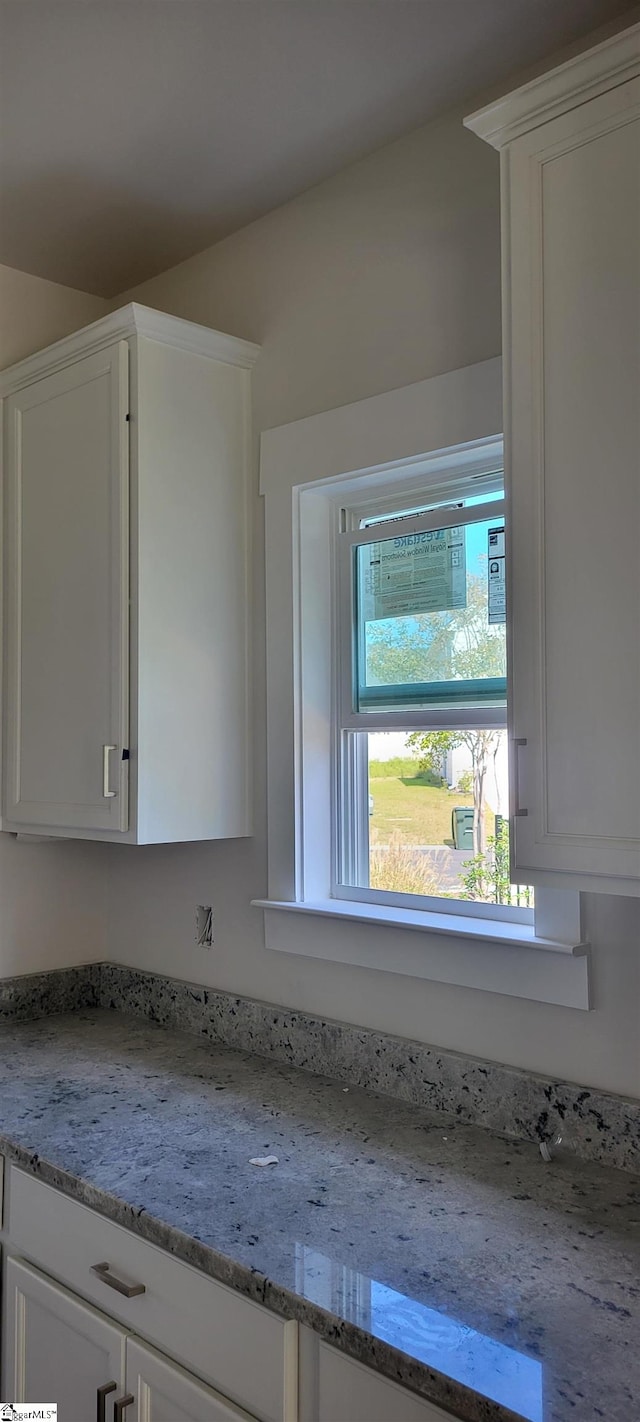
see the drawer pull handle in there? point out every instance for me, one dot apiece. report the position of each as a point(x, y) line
point(120, 1404)
point(102, 1400)
point(106, 792)
point(517, 743)
point(122, 1287)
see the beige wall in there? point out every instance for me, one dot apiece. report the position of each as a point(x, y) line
point(52, 896)
point(386, 274)
point(33, 313)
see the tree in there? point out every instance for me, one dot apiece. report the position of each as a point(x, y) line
point(433, 746)
point(455, 644)
point(408, 649)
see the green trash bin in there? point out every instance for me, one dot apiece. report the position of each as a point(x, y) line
point(462, 827)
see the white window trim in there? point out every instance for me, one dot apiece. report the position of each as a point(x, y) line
point(352, 449)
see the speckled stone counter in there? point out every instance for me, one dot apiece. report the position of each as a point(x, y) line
point(449, 1259)
point(477, 1092)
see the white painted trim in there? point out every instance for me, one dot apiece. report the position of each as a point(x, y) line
point(542, 972)
point(455, 413)
point(189, 336)
point(603, 67)
point(291, 1331)
point(502, 913)
point(119, 325)
point(441, 424)
point(449, 925)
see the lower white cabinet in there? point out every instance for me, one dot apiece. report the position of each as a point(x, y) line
point(235, 1346)
point(163, 1392)
point(347, 1392)
point(334, 1388)
point(59, 1349)
point(231, 1360)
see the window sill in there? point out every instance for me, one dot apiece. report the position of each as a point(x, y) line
point(488, 930)
point(447, 948)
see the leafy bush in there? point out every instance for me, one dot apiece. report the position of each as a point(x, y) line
point(486, 876)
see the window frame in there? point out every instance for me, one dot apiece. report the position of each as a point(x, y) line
point(306, 469)
point(351, 527)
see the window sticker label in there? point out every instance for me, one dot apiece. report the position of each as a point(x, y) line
point(413, 573)
point(496, 565)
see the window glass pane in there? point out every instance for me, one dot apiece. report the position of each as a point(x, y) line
point(430, 618)
point(437, 815)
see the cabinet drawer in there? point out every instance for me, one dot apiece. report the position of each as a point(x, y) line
point(225, 1339)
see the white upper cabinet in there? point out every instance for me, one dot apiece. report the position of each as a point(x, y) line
point(125, 699)
point(67, 555)
point(570, 153)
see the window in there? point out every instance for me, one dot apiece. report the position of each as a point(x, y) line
point(360, 663)
point(421, 697)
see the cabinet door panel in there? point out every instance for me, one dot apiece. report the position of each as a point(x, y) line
point(163, 1392)
point(348, 1392)
point(57, 1349)
point(67, 596)
point(573, 385)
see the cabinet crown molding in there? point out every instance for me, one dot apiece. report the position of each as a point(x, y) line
point(582, 78)
point(129, 321)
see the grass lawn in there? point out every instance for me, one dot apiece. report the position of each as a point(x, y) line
point(420, 813)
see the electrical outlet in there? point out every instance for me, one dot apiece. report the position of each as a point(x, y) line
point(204, 925)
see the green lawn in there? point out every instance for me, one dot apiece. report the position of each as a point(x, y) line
point(421, 814)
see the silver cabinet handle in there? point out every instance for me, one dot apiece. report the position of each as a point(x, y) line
point(102, 1400)
point(517, 743)
point(120, 1404)
point(121, 1286)
point(106, 752)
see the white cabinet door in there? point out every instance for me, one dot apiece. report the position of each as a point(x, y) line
point(349, 1392)
point(67, 555)
point(160, 1391)
point(57, 1349)
point(572, 392)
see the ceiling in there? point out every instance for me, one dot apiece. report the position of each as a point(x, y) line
point(137, 132)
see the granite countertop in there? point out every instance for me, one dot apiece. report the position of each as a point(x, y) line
point(453, 1261)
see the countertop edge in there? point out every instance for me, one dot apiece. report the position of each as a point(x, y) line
point(348, 1338)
